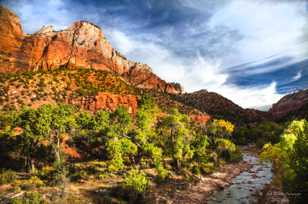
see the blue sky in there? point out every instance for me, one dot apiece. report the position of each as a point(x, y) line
point(250, 51)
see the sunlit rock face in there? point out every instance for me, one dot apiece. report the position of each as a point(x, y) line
point(83, 44)
point(11, 37)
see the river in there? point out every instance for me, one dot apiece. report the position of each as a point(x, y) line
point(245, 187)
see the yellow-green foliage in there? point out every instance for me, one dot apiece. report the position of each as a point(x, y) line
point(176, 137)
point(111, 143)
point(228, 150)
point(33, 182)
point(289, 155)
point(225, 144)
point(291, 133)
point(119, 151)
point(226, 125)
point(7, 176)
point(136, 180)
point(29, 198)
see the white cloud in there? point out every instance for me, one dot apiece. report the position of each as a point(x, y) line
point(297, 76)
point(270, 64)
point(193, 73)
point(267, 27)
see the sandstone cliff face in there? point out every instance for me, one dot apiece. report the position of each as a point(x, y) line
point(106, 101)
point(292, 105)
point(10, 39)
point(81, 45)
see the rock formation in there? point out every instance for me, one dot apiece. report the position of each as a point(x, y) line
point(106, 101)
point(83, 44)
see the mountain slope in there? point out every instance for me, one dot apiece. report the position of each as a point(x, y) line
point(220, 107)
point(87, 88)
point(291, 106)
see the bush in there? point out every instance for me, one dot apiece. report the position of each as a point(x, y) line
point(31, 183)
point(226, 125)
point(83, 170)
point(162, 173)
point(29, 198)
point(136, 181)
point(290, 159)
point(228, 150)
point(7, 176)
point(119, 151)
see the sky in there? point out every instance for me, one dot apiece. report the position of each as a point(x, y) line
point(250, 51)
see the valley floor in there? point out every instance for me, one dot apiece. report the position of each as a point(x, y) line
point(175, 191)
point(247, 181)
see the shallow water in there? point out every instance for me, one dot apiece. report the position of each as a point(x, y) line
point(245, 186)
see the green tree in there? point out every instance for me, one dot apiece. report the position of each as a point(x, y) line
point(101, 120)
point(63, 121)
point(290, 158)
point(36, 125)
point(90, 135)
point(85, 120)
point(120, 123)
point(119, 145)
point(176, 137)
point(299, 158)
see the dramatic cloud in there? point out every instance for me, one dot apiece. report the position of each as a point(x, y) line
point(267, 27)
point(194, 73)
point(245, 50)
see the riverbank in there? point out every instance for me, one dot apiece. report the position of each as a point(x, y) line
point(246, 187)
point(248, 181)
point(199, 191)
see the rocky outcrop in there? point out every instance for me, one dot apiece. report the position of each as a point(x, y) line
point(83, 44)
point(106, 101)
point(291, 106)
point(200, 118)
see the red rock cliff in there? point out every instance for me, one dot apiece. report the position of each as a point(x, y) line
point(83, 44)
point(107, 101)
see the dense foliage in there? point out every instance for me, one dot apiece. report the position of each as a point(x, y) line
point(259, 134)
point(57, 142)
point(290, 159)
